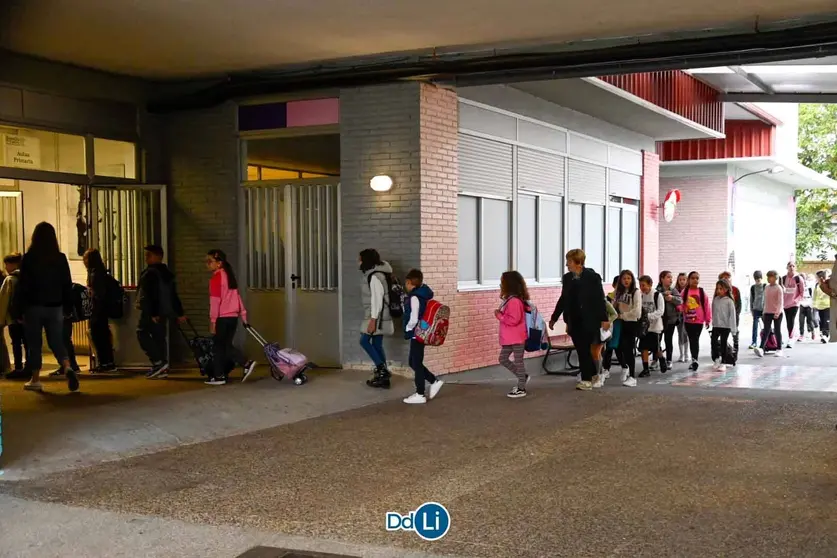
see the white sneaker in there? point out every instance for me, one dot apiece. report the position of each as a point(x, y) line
point(248, 369)
point(629, 382)
point(605, 375)
point(718, 367)
point(599, 382)
point(435, 387)
point(779, 354)
point(215, 382)
point(759, 352)
point(33, 386)
point(415, 399)
point(626, 373)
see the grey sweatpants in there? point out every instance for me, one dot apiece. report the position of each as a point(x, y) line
point(516, 367)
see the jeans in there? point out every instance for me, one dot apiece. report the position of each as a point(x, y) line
point(18, 345)
point(421, 374)
point(694, 331)
point(790, 316)
point(374, 347)
point(720, 342)
point(806, 316)
point(627, 346)
point(771, 322)
point(757, 314)
point(67, 337)
point(37, 319)
point(101, 338)
point(225, 353)
point(825, 321)
point(152, 339)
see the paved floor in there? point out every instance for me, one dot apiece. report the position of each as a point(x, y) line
point(736, 464)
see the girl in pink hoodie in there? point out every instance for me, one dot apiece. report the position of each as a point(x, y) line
point(225, 308)
point(697, 312)
point(513, 329)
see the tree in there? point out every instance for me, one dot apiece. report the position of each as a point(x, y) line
point(816, 234)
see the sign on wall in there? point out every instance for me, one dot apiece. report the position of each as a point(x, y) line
point(23, 152)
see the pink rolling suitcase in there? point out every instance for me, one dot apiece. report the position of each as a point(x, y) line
point(283, 362)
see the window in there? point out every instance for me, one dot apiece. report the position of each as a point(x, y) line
point(484, 240)
point(550, 239)
point(614, 243)
point(25, 148)
point(594, 236)
point(469, 226)
point(576, 238)
point(623, 240)
point(630, 240)
point(527, 234)
point(115, 158)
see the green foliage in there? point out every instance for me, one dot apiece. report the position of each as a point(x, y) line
point(816, 234)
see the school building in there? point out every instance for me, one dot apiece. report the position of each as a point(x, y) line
point(481, 179)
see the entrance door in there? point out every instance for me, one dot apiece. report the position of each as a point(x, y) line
point(11, 223)
point(125, 219)
point(312, 266)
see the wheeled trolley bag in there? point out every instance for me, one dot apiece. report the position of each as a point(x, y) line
point(283, 362)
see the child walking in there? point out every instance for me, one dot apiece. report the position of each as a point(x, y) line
point(822, 306)
point(629, 308)
point(225, 308)
point(756, 306)
point(774, 299)
point(417, 296)
point(697, 315)
point(672, 317)
point(682, 336)
point(736, 298)
point(654, 306)
point(7, 293)
point(597, 348)
point(724, 324)
point(807, 316)
point(513, 331)
point(612, 344)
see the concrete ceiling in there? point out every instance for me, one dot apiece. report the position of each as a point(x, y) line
point(187, 38)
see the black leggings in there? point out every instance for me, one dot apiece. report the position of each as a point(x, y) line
point(693, 331)
point(790, 318)
point(825, 321)
point(627, 345)
point(225, 353)
point(669, 337)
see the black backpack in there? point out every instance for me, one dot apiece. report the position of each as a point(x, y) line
point(115, 298)
point(395, 290)
point(81, 303)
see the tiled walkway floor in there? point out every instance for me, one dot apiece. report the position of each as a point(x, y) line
point(771, 375)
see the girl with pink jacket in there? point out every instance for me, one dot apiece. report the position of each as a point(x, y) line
point(513, 329)
point(225, 308)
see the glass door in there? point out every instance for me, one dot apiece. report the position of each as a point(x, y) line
point(11, 223)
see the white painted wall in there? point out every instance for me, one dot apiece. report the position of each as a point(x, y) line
point(787, 134)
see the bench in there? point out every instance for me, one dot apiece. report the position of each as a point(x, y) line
point(560, 344)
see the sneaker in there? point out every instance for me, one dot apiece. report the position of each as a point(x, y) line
point(753, 347)
point(20, 374)
point(437, 385)
point(158, 371)
point(630, 382)
point(789, 346)
point(72, 380)
point(104, 369)
point(800, 339)
point(33, 386)
point(668, 366)
point(598, 382)
point(823, 340)
point(625, 374)
point(605, 374)
point(584, 386)
point(682, 359)
point(779, 354)
point(645, 374)
point(56, 373)
point(415, 399)
point(759, 352)
point(215, 382)
point(516, 393)
point(717, 366)
point(694, 366)
point(655, 365)
point(248, 369)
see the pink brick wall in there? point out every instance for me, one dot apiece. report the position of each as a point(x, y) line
point(697, 238)
point(649, 229)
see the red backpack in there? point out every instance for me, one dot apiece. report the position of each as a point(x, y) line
point(433, 326)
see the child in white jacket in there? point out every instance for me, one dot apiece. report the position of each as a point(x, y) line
point(653, 306)
point(628, 301)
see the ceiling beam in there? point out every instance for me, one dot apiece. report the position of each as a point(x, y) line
point(779, 98)
point(752, 78)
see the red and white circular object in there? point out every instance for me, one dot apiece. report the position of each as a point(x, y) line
point(670, 204)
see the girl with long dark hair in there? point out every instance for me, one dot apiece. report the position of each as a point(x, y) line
point(697, 312)
point(377, 321)
point(225, 308)
point(629, 307)
point(42, 300)
point(513, 330)
point(98, 281)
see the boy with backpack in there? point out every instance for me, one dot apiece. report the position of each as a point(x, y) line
point(418, 295)
point(157, 302)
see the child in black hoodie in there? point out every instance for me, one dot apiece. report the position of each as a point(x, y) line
point(157, 302)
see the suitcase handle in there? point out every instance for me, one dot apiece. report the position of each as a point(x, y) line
point(191, 326)
point(256, 335)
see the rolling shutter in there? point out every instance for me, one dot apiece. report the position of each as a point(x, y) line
point(485, 166)
point(624, 185)
point(540, 172)
point(588, 182)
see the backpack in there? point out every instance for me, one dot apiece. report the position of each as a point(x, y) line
point(395, 290)
point(536, 326)
point(81, 302)
point(433, 325)
point(772, 343)
point(115, 298)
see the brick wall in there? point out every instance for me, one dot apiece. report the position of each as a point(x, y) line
point(203, 178)
point(379, 134)
point(697, 238)
point(649, 228)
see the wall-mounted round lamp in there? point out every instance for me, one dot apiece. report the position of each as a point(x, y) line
point(381, 183)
